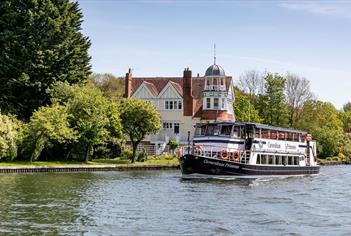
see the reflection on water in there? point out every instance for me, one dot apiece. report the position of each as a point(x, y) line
point(163, 203)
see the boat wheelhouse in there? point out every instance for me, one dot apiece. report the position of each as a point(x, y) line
point(242, 148)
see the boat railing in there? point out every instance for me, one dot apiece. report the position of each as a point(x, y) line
point(217, 152)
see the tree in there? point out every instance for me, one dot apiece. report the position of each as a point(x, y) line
point(271, 105)
point(252, 83)
point(139, 118)
point(111, 86)
point(347, 107)
point(297, 91)
point(242, 109)
point(345, 118)
point(47, 126)
point(321, 120)
point(173, 145)
point(40, 43)
point(10, 135)
point(95, 118)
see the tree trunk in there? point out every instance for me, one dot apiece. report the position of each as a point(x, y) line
point(135, 146)
point(87, 154)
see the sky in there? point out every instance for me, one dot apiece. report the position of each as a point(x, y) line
point(160, 38)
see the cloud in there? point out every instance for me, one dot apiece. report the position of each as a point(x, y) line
point(339, 9)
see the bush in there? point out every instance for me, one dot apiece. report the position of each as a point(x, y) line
point(126, 154)
point(142, 155)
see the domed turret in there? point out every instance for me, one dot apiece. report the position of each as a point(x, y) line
point(215, 70)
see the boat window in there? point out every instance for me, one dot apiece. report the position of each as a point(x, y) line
point(281, 135)
point(270, 160)
point(296, 160)
point(273, 134)
point(258, 160)
point(257, 133)
point(296, 137)
point(226, 130)
point(285, 160)
point(290, 137)
point(303, 138)
point(236, 131)
point(200, 130)
point(263, 159)
point(290, 160)
point(264, 133)
point(212, 130)
point(278, 160)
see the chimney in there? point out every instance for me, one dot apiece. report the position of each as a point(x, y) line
point(128, 84)
point(187, 93)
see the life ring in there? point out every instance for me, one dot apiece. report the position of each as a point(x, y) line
point(224, 155)
point(197, 150)
point(236, 156)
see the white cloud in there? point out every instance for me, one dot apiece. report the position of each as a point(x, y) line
point(340, 9)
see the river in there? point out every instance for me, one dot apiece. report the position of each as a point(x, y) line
point(162, 203)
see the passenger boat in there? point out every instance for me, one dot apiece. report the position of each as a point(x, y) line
point(249, 149)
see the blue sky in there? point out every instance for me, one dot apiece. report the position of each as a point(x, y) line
point(161, 38)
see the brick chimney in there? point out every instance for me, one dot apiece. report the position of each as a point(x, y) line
point(187, 93)
point(128, 84)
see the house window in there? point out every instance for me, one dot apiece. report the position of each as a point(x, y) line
point(179, 105)
point(208, 103)
point(171, 105)
point(223, 103)
point(215, 103)
point(167, 105)
point(176, 128)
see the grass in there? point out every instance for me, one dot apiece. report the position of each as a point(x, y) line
point(151, 161)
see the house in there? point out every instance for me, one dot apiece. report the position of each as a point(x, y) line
point(184, 101)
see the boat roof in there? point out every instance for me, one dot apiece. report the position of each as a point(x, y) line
point(256, 125)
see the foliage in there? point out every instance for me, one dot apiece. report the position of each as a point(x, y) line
point(347, 107)
point(345, 117)
point(271, 105)
point(243, 110)
point(297, 93)
point(111, 86)
point(173, 145)
point(251, 82)
point(40, 43)
point(345, 147)
point(47, 126)
point(10, 135)
point(95, 118)
point(139, 118)
point(321, 120)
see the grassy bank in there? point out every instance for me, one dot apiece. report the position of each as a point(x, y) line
point(118, 161)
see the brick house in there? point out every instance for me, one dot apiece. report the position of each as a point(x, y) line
point(184, 101)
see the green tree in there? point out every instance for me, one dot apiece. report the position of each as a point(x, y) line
point(243, 110)
point(10, 135)
point(139, 118)
point(173, 145)
point(48, 126)
point(40, 43)
point(271, 105)
point(95, 118)
point(345, 118)
point(322, 121)
point(111, 86)
point(347, 107)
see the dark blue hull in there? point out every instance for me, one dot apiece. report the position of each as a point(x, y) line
point(191, 164)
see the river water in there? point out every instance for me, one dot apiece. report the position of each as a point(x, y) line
point(162, 203)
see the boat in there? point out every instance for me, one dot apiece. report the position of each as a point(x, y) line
point(248, 149)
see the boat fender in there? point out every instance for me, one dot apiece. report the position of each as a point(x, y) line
point(197, 150)
point(236, 156)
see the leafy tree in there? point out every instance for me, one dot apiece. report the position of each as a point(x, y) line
point(48, 126)
point(271, 105)
point(347, 107)
point(173, 145)
point(10, 135)
point(139, 118)
point(321, 120)
point(345, 118)
point(243, 110)
point(40, 43)
point(95, 118)
point(297, 93)
point(252, 83)
point(111, 86)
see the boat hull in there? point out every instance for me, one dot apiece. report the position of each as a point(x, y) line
point(191, 164)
